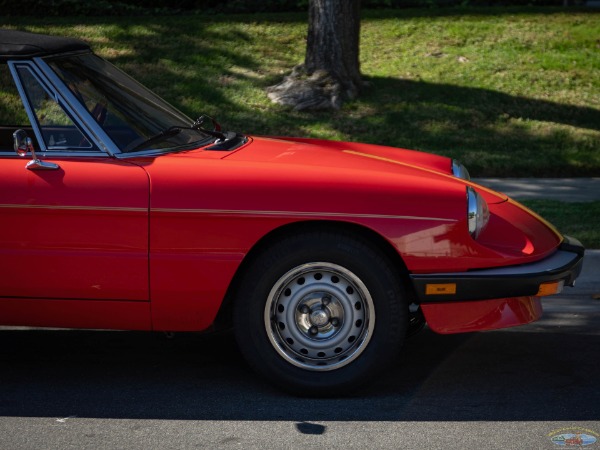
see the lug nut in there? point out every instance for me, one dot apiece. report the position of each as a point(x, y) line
point(313, 330)
point(335, 322)
point(326, 300)
point(304, 309)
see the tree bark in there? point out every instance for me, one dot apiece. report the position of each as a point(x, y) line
point(331, 70)
point(333, 41)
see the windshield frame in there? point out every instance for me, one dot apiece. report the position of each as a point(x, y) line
point(101, 137)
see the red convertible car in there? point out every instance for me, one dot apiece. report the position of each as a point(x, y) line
point(117, 211)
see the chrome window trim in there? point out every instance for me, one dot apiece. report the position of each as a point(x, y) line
point(55, 92)
point(13, 67)
point(56, 154)
point(78, 112)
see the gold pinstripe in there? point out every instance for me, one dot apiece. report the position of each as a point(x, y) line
point(400, 163)
point(74, 208)
point(240, 212)
point(295, 214)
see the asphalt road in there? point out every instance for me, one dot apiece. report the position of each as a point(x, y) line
point(507, 389)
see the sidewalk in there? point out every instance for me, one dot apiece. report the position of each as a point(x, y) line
point(561, 189)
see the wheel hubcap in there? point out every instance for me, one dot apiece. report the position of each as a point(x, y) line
point(319, 316)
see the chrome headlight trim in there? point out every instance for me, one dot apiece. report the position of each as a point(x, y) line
point(478, 213)
point(460, 171)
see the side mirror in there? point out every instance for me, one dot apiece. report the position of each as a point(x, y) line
point(24, 144)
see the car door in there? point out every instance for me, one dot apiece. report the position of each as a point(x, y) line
point(73, 224)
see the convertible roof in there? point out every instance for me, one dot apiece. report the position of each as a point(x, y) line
point(19, 45)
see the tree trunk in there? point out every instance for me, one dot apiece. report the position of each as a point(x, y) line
point(331, 69)
point(333, 41)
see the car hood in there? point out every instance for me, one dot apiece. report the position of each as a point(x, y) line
point(355, 157)
point(347, 155)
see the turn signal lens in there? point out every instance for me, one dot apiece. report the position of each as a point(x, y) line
point(440, 289)
point(554, 287)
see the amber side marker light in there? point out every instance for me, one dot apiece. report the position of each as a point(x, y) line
point(554, 287)
point(440, 289)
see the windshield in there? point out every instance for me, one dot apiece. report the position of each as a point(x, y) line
point(128, 112)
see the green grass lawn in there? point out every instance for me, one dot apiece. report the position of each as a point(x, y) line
point(510, 92)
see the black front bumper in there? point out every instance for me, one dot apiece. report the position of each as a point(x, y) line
point(502, 282)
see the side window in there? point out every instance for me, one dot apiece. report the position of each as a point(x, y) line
point(58, 130)
point(12, 111)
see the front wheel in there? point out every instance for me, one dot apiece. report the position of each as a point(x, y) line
point(320, 313)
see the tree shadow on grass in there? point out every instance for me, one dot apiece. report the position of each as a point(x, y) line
point(496, 134)
point(493, 133)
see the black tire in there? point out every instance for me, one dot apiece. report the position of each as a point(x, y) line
point(320, 313)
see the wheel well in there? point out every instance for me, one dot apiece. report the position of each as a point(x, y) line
point(224, 319)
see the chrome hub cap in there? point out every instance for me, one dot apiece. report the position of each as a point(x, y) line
point(319, 316)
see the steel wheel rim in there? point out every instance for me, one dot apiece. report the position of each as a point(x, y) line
point(319, 316)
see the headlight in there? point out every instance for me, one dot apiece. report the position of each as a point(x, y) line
point(460, 171)
point(478, 213)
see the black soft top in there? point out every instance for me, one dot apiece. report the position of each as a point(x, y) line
point(21, 45)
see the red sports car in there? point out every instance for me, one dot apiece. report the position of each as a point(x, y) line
point(119, 212)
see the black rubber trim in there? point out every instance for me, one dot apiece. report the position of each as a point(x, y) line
point(20, 44)
point(503, 282)
point(230, 144)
